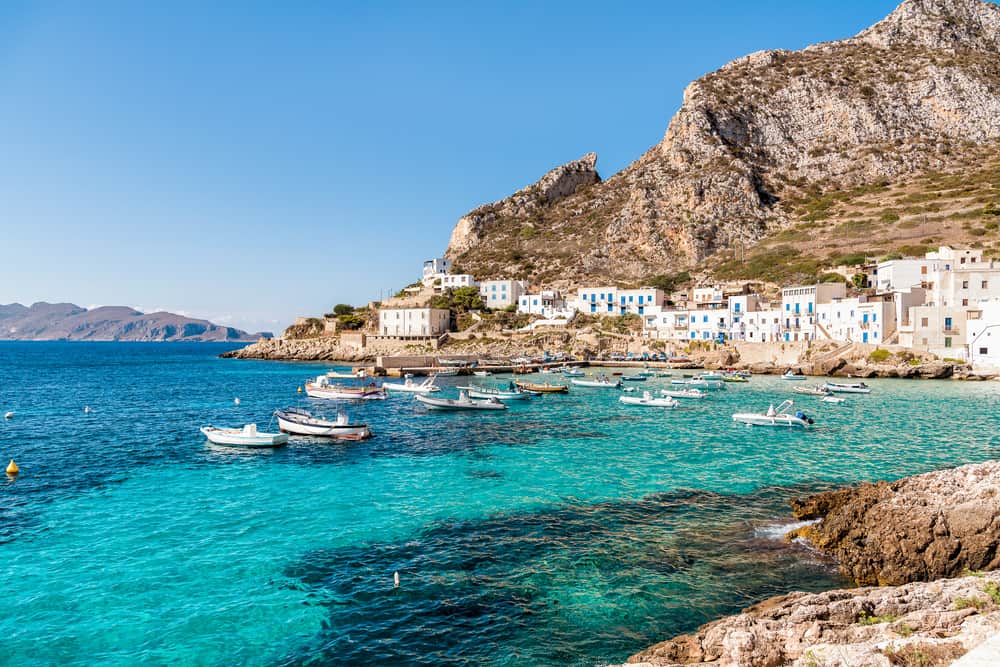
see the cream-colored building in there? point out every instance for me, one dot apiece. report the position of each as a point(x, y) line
point(413, 322)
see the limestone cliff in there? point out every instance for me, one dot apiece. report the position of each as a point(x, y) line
point(911, 94)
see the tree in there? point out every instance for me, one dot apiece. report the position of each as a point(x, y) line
point(860, 280)
point(464, 299)
point(343, 309)
point(351, 321)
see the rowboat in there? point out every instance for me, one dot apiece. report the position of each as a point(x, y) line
point(409, 386)
point(248, 436)
point(569, 371)
point(812, 391)
point(544, 388)
point(463, 402)
point(775, 417)
point(789, 375)
point(302, 422)
point(683, 393)
point(513, 394)
point(648, 401)
point(322, 388)
point(600, 382)
point(851, 388)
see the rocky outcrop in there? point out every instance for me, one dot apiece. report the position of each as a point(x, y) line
point(900, 98)
point(917, 529)
point(554, 186)
point(916, 624)
point(309, 349)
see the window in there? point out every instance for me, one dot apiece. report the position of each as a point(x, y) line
point(985, 284)
point(965, 302)
point(947, 342)
point(736, 307)
point(984, 351)
point(923, 270)
point(503, 288)
point(947, 326)
point(788, 306)
point(965, 284)
point(923, 323)
point(961, 261)
point(704, 318)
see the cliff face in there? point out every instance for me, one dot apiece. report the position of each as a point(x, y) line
point(902, 97)
point(66, 321)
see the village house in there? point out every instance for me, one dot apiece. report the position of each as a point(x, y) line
point(983, 335)
point(616, 301)
point(502, 293)
point(413, 322)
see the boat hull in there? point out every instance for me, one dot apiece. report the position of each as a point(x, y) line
point(648, 402)
point(237, 438)
point(594, 384)
point(343, 431)
point(499, 395)
point(454, 405)
point(847, 389)
point(783, 421)
point(332, 394)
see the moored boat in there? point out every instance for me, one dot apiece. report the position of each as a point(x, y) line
point(337, 375)
point(683, 393)
point(512, 393)
point(789, 375)
point(812, 391)
point(647, 400)
point(463, 402)
point(482, 374)
point(302, 422)
point(322, 388)
point(634, 378)
point(248, 436)
point(569, 371)
point(543, 388)
point(775, 417)
point(600, 382)
point(848, 388)
point(833, 399)
point(408, 385)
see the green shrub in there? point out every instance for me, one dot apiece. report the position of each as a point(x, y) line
point(879, 355)
point(992, 209)
point(889, 215)
point(991, 589)
point(343, 309)
point(966, 603)
point(831, 277)
point(865, 619)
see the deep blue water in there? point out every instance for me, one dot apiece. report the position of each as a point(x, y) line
point(570, 530)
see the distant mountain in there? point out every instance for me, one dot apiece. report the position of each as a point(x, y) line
point(67, 321)
point(781, 155)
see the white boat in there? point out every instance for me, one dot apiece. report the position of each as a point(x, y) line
point(647, 400)
point(302, 422)
point(812, 391)
point(683, 393)
point(337, 375)
point(515, 394)
point(427, 386)
point(700, 384)
point(322, 388)
point(851, 388)
point(601, 381)
point(634, 378)
point(248, 436)
point(710, 375)
point(789, 375)
point(547, 371)
point(833, 399)
point(482, 374)
point(463, 402)
point(775, 417)
point(569, 371)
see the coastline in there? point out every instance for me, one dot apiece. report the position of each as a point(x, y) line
point(926, 539)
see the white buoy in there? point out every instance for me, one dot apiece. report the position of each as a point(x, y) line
point(87, 409)
point(236, 401)
point(395, 579)
point(9, 415)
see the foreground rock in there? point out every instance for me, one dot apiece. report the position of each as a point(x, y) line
point(312, 349)
point(916, 529)
point(917, 624)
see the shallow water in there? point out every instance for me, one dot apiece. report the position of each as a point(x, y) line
point(568, 530)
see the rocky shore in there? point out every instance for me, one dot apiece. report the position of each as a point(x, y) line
point(911, 535)
point(306, 349)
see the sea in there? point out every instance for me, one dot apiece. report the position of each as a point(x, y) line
point(567, 530)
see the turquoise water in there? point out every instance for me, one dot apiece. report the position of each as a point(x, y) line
point(569, 530)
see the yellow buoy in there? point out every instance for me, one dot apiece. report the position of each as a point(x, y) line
point(12, 468)
point(299, 390)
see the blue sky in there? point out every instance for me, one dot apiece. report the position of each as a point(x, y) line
point(249, 162)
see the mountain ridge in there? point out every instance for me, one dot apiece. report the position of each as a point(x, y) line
point(69, 322)
point(911, 94)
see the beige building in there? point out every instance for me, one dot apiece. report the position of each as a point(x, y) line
point(413, 322)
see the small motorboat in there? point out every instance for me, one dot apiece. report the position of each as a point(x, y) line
point(547, 371)
point(733, 377)
point(848, 388)
point(775, 417)
point(700, 383)
point(543, 388)
point(600, 382)
point(337, 375)
point(833, 399)
point(408, 385)
point(463, 402)
point(712, 375)
point(789, 375)
point(812, 391)
point(569, 371)
point(683, 393)
point(302, 422)
point(634, 378)
point(647, 400)
point(322, 388)
point(512, 393)
point(482, 374)
point(248, 436)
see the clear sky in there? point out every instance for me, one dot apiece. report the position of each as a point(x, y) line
point(250, 162)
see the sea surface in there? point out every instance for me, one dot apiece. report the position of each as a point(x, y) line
point(568, 530)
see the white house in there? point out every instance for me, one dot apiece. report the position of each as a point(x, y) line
point(413, 322)
point(798, 308)
point(434, 269)
point(502, 293)
point(547, 303)
point(456, 280)
point(857, 320)
point(615, 301)
point(982, 336)
point(761, 326)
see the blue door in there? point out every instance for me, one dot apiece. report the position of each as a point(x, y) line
point(864, 337)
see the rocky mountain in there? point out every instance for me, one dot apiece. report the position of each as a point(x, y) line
point(66, 321)
point(767, 142)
